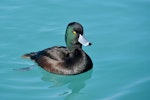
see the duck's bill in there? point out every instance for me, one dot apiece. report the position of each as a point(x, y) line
point(83, 41)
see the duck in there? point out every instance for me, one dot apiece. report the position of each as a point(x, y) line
point(69, 60)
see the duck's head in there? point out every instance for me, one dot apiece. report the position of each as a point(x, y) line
point(74, 36)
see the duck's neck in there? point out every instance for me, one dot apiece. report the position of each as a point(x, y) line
point(73, 46)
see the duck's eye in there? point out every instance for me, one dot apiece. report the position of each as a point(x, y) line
point(74, 32)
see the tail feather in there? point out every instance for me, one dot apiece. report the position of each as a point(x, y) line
point(29, 55)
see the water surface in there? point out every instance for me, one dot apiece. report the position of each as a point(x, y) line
point(119, 31)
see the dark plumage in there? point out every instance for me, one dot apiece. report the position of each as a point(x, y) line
point(65, 60)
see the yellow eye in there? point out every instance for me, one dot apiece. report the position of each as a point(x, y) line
point(74, 32)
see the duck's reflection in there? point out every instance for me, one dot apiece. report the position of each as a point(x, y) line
point(74, 82)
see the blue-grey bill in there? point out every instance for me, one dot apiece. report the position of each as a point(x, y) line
point(83, 41)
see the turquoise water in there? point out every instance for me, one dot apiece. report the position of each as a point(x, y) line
point(118, 29)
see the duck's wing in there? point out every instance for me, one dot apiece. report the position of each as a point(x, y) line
point(57, 53)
